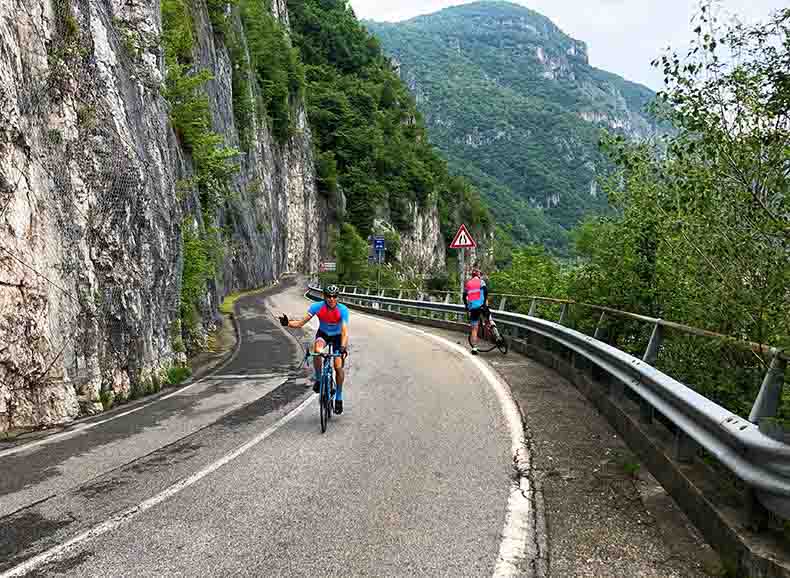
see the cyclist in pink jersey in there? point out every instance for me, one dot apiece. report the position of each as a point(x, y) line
point(475, 299)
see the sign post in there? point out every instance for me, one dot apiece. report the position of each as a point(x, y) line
point(379, 248)
point(462, 240)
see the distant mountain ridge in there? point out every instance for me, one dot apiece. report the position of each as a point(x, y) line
point(513, 103)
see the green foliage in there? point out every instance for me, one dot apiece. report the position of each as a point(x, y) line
point(106, 398)
point(276, 65)
point(532, 272)
point(202, 255)
point(178, 36)
point(701, 234)
point(351, 252)
point(189, 109)
point(243, 102)
point(178, 374)
point(217, 12)
point(504, 104)
point(326, 173)
point(370, 139)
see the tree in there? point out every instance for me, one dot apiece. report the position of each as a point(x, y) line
point(351, 252)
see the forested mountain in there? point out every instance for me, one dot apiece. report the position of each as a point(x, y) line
point(371, 142)
point(514, 104)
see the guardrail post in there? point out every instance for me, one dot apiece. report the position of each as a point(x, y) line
point(502, 304)
point(533, 308)
point(767, 403)
point(354, 292)
point(563, 313)
point(651, 353)
point(600, 329)
point(447, 302)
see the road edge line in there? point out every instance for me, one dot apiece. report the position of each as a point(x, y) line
point(525, 516)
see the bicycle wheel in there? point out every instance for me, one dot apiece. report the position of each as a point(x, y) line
point(323, 404)
point(329, 408)
point(501, 342)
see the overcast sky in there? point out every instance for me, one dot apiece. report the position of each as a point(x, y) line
point(622, 36)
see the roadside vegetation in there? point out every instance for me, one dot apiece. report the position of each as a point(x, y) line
point(701, 233)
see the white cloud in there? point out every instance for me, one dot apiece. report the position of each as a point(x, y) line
point(622, 36)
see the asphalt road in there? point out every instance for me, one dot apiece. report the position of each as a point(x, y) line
point(233, 477)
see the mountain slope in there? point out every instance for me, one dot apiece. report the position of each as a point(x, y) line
point(514, 104)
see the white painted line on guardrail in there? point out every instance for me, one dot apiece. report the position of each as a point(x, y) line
point(518, 555)
point(61, 550)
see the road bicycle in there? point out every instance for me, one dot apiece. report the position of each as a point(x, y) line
point(326, 392)
point(488, 331)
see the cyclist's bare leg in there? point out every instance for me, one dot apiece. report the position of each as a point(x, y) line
point(340, 373)
point(317, 347)
point(473, 335)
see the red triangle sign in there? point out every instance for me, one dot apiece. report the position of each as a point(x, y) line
point(463, 240)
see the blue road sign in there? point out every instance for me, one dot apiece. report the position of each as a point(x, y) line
point(378, 243)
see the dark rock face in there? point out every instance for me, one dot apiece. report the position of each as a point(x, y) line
point(92, 204)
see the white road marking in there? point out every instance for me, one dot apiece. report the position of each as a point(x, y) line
point(61, 550)
point(249, 376)
point(524, 517)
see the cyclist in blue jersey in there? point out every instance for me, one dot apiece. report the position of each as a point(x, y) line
point(332, 328)
point(475, 299)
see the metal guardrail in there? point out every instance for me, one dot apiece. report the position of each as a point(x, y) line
point(750, 449)
point(502, 299)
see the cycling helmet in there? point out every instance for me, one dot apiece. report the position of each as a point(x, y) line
point(475, 272)
point(331, 291)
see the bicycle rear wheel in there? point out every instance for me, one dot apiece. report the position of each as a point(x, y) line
point(501, 342)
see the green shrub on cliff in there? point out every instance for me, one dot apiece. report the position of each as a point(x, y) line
point(191, 119)
point(276, 66)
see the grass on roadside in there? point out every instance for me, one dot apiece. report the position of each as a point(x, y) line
point(226, 308)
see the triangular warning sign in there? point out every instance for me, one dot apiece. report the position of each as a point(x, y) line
point(463, 240)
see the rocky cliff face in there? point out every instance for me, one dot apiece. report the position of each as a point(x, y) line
point(93, 202)
point(422, 248)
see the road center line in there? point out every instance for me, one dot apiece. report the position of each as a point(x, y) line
point(61, 550)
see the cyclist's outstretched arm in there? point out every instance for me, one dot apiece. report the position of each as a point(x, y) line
point(295, 323)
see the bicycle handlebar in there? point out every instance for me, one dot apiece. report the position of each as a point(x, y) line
point(324, 355)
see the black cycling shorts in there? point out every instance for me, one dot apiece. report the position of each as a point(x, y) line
point(474, 314)
point(335, 340)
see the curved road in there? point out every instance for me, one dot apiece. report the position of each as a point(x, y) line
point(231, 475)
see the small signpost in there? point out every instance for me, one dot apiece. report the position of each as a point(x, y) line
point(377, 256)
point(462, 240)
point(327, 266)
